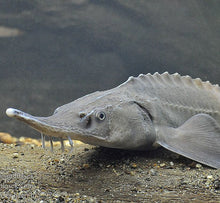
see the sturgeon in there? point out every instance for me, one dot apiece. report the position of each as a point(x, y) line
point(176, 112)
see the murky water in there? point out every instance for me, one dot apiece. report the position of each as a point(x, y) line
point(52, 52)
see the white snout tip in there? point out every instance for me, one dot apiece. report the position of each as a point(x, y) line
point(10, 112)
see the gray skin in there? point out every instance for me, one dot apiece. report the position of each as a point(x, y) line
point(173, 111)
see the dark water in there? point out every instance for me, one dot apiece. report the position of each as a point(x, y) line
point(62, 50)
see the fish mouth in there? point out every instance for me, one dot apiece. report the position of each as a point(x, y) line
point(46, 126)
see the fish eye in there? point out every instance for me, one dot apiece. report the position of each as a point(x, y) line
point(100, 115)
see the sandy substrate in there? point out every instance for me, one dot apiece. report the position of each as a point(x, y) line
point(29, 173)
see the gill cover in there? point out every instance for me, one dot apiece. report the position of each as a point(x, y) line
point(131, 127)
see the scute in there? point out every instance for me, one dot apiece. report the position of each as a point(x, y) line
point(174, 79)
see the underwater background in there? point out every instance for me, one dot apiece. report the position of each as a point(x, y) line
point(54, 51)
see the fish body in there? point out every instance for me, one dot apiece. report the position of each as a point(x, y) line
point(177, 112)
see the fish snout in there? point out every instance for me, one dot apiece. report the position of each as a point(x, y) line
point(11, 112)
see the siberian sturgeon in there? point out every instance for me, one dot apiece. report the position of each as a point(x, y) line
point(177, 112)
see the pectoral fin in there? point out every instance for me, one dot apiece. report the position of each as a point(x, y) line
point(198, 139)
